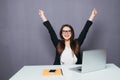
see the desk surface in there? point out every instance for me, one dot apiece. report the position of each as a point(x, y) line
point(111, 72)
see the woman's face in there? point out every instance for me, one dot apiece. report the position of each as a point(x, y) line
point(66, 33)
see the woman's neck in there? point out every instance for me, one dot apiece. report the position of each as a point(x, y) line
point(67, 43)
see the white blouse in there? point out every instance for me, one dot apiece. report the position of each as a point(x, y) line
point(68, 57)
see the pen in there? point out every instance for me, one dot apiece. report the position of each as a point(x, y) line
point(61, 72)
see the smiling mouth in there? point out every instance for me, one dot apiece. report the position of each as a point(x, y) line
point(66, 36)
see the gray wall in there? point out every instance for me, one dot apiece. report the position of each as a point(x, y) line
point(25, 41)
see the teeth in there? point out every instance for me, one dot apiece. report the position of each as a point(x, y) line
point(67, 36)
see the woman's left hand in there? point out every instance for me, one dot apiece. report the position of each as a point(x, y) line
point(94, 13)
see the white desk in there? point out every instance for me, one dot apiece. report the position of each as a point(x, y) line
point(112, 72)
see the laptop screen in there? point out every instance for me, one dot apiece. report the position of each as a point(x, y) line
point(93, 60)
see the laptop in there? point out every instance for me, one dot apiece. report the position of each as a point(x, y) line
point(92, 60)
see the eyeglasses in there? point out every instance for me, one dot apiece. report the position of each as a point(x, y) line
point(66, 31)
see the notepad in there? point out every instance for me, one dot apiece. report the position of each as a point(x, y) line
point(52, 72)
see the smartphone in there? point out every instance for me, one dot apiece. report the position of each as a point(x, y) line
point(52, 70)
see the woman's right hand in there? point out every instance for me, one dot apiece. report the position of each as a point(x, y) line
point(41, 14)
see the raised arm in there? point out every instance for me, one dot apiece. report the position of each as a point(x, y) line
point(49, 27)
point(83, 34)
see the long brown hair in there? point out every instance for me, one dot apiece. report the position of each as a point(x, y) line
point(73, 43)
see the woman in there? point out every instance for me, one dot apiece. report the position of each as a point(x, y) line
point(68, 48)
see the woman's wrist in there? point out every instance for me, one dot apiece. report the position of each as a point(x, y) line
point(91, 17)
point(44, 18)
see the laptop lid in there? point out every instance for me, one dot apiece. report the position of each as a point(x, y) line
point(93, 60)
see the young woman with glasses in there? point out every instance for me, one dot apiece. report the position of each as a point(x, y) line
point(67, 48)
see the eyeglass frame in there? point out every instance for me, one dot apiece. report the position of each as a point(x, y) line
point(66, 31)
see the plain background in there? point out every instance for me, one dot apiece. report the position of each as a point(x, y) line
point(25, 41)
